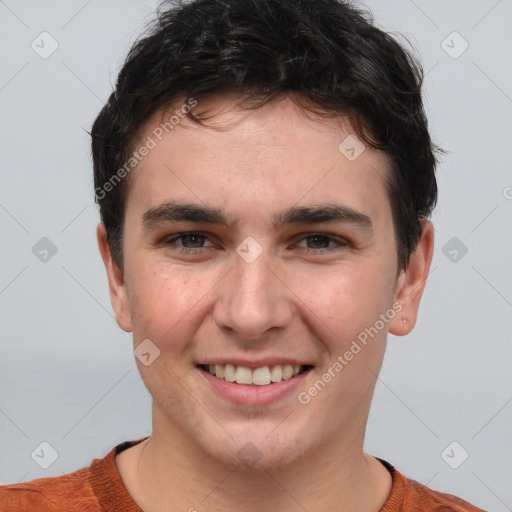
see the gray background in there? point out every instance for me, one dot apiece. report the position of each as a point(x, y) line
point(67, 372)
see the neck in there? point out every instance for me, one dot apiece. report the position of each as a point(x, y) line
point(169, 468)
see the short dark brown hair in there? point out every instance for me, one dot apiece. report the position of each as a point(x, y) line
point(326, 55)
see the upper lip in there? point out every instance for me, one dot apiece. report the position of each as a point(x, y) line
point(255, 364)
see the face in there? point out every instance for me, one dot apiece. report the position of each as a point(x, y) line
point(284, 256)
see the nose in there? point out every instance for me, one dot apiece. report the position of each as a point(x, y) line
point(253, 299)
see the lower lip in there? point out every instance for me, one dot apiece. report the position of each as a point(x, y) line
point(254, 395)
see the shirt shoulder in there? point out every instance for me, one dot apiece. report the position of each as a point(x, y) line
point(424, 498)
point(67, 492)
point(97, 488)
point(408, 495)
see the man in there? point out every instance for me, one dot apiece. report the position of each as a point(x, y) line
point(265, 176)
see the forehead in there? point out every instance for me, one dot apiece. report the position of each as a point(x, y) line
point(249, 162)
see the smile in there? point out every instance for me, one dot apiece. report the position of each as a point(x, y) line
point(263, 376)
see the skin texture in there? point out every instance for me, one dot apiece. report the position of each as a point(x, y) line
point(287, 303)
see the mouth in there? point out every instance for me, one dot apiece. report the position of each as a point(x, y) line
point(256, 377)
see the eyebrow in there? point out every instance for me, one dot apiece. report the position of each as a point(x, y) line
point(172, 211)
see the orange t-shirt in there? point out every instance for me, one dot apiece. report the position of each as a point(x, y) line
point(99, 488)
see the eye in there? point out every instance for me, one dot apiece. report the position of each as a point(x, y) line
point(194, 243)
point(191, 242)
point(320, 242)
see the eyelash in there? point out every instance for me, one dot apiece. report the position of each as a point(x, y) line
point(340, 243)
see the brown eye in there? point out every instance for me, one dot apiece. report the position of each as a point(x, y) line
point(319, 241)
point(192, 239)
point(188, 243)
point(322, 243)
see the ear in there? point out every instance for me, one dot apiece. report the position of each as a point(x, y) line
point(118, 296)
point(411, 283)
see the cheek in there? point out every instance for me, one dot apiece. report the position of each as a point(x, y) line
point(346, 301)
point(164, 303)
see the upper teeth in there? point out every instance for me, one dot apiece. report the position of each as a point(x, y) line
point(257, 376)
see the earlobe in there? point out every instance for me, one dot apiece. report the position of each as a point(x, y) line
point(411, 283)
point(117, 288)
